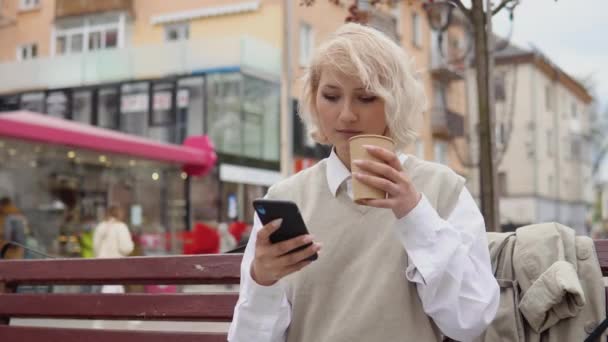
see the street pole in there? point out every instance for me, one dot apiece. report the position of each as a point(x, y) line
point(286, 147)
point(485, 101)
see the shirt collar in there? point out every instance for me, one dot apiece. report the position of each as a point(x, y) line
point(337, 172)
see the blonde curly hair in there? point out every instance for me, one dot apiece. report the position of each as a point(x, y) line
point(382, 66)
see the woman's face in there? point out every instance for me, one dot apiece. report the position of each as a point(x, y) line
point(346, 109)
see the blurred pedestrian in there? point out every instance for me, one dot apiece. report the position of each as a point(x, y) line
point(112, 239)
point(13, 228)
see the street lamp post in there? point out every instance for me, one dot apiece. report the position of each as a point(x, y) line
point(439, 15)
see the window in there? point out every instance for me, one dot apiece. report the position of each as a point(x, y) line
point(27, 51)
point(162, 119)
point(549, 98)
point(134, 108)
point(82, 106)
point(499, 88)
point(57, 104)
point(76, 35)
point(576, 149)
point(574, 110)
point(501, 137)
point(177, 32)
point(416, 30)
point(550, 143)
point(33, 102)
point(26, 5)
point(107, 108)
point(224, 112)
point(441, 152)
point(502, 184)
point(306, 44)
point(190, 107)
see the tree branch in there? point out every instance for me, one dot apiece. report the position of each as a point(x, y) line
point(462, 7)
point(501, 6)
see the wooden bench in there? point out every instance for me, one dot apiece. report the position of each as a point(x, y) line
point(205, 269)
point(178, 270)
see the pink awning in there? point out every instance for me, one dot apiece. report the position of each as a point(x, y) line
point(197, 156)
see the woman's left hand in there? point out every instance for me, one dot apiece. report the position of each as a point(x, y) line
point(388, 176)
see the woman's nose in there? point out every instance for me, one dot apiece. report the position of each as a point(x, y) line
point(347, 114)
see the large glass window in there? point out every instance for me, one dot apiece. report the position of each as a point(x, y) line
point(107, 108)
point(224, 112)
point(261, 119)
point(57, 104)
point(243, 116)
point(33, 102)
point(81, 34)
point(134, 108)
point(82, 106)
point(190, 107)
point(162, 121)
point(9, 103)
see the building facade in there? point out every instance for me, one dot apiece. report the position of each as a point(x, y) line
point(542, 141)
point(167, 70)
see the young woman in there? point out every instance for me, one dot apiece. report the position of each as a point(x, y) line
point(412, 267)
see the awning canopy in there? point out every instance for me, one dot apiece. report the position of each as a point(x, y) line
point(197, 156)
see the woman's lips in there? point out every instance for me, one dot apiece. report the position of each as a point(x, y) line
point(347, 132)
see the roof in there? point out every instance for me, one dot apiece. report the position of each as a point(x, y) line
point(513, 54)
point(197, 155)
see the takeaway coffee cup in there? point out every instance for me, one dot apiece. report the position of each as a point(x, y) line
point(357, 151)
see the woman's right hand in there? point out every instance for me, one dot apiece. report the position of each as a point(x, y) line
point(271, 262)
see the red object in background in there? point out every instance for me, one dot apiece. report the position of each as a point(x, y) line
point(237, 228)
point(303, 163)
point(202, 239)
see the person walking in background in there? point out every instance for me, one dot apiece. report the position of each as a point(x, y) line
point(13, 226)
point(112, 239)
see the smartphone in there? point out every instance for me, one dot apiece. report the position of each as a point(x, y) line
point(292, 225)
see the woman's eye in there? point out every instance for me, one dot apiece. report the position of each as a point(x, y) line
point(368, 99)
point(331, 98)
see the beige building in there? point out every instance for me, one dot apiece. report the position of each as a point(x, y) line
point(166, 70)
point(542, 139)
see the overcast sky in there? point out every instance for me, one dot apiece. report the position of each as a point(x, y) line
point(572, 33)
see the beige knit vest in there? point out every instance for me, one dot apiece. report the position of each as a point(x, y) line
point(357, 289)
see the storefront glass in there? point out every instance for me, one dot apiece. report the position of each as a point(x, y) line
point(64, 192)
point(82, 106)
point(134, 107)
point(191, 106)
point(107, 107)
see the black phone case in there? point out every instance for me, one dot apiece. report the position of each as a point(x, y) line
point(292, 226)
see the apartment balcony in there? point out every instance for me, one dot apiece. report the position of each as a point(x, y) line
point(68, 8)
point(446, 123)
point(446, 68)
point(141, 62)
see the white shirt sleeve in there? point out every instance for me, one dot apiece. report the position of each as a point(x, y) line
point(449, 261)
point(262, 313)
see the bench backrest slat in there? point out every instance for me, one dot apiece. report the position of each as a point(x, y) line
point(200, 269)
point(601, 248)
point(11, 333)
point(186, 307)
